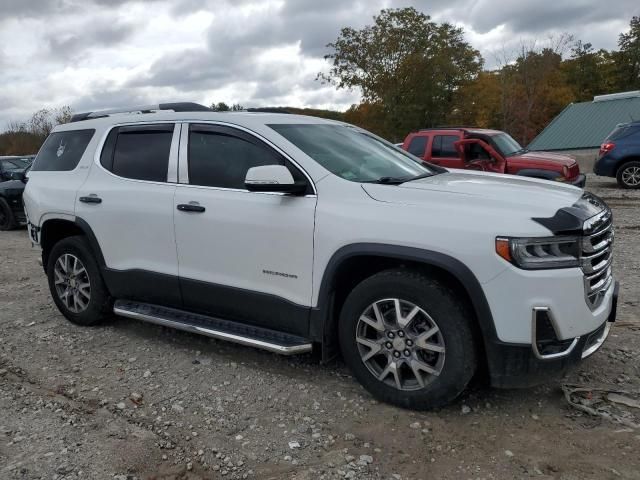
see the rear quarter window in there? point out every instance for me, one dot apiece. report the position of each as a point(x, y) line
point(62, 151)
point(622, 131)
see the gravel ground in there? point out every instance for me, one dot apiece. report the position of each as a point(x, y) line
point(135, 401)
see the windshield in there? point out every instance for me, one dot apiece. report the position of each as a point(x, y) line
point(506, 144)
point(351, 153)
point(15, 164)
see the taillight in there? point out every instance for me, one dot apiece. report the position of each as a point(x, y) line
point(606, 148)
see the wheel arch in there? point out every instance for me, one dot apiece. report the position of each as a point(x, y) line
point(54, 229)
point(353, 263)
point(624, 160)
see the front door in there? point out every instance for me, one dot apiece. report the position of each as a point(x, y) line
point(244, 256)
point(479, 155)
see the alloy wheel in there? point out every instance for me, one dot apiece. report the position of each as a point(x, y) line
point(400, 344)
point(631, 176)
point(72, 283)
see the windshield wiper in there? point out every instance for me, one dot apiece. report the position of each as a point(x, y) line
point(418, 177)
point(387, 180)
point(398, 180)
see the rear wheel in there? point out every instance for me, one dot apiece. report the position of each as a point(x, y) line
point(76, 284)
point(7, 219)
point(628, 175)
point(408, 339)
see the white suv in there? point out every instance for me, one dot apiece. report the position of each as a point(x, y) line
point(287, 232)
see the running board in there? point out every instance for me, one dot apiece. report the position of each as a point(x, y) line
point(264, 338)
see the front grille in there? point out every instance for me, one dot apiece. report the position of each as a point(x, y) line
point(597, 255)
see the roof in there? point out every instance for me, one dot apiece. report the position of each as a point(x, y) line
point(246, 119)
point(474, 130)
point(587, 124)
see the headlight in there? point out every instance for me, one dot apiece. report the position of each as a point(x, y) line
point(540, 252)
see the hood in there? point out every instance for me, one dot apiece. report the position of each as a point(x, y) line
point(542, 159)
point(488, 191)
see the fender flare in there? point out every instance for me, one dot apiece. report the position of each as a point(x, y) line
point(321, 322)
point(82, 225)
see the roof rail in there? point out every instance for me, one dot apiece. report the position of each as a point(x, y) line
point(447, 127)
point(176, 107)
point(267, 110)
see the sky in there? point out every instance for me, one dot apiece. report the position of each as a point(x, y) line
point(94, 54)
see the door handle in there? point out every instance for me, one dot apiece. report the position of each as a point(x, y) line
point(91, 199)
point(190, 207)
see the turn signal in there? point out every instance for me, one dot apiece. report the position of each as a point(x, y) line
point(503, 249)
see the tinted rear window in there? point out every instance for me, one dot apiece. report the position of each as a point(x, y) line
point(141, 153)
point(62, 151)
point(622, 131)
point(443, 146)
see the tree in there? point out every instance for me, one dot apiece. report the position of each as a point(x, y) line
point(220, 107)
point(628, 58)
point(478, 103)
point(406, 65)
point(589, 72)
point(23, 138)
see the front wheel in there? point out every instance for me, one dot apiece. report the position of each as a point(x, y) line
point(408, 339)
point(628, 175)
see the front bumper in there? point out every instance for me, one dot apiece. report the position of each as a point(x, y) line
point(517, 366)
point(579, 181)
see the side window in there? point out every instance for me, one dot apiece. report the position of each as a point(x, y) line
point(418, 145)
point(220, 158)
point(62, 151)
point(443, 146)
point(138, 152)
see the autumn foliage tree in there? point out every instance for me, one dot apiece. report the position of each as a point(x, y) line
point(407, 68)
point(415, 73)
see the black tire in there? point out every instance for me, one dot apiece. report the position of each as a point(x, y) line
point(100, 305)
point(7, 219)
point(623, 178)
point(450, 315)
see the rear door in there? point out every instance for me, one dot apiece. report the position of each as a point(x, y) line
point(127, 201)
point(443, 152)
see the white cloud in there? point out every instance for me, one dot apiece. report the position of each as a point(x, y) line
point(105, 53)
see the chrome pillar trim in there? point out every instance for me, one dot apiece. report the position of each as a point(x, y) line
point(534, 345)
point(172, 171)
point(183, 154)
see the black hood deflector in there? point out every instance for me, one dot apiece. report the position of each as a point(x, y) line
point(570, 220)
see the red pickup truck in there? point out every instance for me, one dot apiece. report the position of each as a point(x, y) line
point(490, 151)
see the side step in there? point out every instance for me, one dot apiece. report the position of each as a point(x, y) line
point(271, 340)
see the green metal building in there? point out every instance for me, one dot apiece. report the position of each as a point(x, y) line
point(583, 126)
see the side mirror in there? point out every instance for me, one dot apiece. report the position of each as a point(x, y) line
point(273, 178)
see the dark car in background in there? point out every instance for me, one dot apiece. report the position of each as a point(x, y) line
point(619, 155)
point(12, 182)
